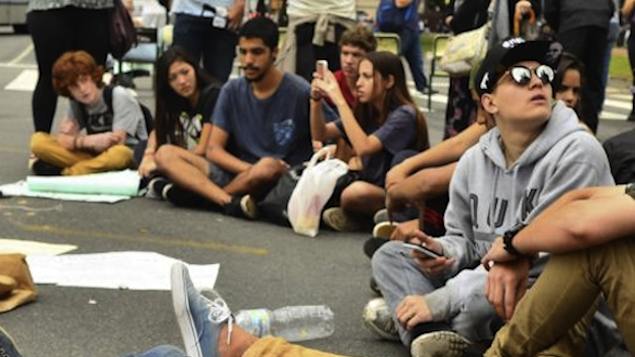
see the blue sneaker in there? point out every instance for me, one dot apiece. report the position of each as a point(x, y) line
point(7, 346)
point(200, 319)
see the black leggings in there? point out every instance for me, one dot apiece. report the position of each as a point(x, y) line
point(55, 32)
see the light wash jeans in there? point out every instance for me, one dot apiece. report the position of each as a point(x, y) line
point(461, 299)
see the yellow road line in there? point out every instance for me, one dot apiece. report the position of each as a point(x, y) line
point(166, 241)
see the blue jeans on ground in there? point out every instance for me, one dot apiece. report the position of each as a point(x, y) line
point(398, 276)
point(160, 351)
point(216, 47)
point(411, 50)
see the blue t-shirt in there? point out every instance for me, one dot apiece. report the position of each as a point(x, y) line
point(277, 126)
point(398, 133)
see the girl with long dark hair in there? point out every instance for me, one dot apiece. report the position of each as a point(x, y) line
point(185, 99)
point(385, 128)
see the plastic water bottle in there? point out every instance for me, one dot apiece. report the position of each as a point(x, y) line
point(293, 323)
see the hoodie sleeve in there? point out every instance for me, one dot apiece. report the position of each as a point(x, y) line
point(460, 242)
point(582, 163)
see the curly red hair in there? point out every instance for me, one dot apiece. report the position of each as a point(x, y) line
point(72, 65)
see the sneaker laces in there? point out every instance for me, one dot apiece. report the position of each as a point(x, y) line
point(219, 312)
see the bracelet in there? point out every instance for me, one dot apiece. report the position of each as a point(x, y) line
point(315, 98)
point(508, 236)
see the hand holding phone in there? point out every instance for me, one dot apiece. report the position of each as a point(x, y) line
point(423, 250)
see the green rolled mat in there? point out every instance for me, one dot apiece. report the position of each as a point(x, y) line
point(111, 183)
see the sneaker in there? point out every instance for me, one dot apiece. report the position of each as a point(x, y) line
point(374, 287)
point(200, 319)
point(340, 221)
point(372, 244)
point(439, 344)
point(242, 207)
point(157, 185)
point(42, 168)
point(378, 319)
point(381, 216)
point(7, 345)
point(384, 229)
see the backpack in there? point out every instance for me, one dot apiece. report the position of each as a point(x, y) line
point(123, 35)
point(147, 115)
point(390, 18)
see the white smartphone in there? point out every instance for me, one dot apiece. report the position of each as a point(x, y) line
point(321, 66)
point(423, 250)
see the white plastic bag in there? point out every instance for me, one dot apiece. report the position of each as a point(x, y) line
point(313, 190)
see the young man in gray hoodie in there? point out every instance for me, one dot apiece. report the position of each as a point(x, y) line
point(536, 153)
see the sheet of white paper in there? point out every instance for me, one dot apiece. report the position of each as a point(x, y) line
point(29, 247)
point(21, 189)
point(116, 270)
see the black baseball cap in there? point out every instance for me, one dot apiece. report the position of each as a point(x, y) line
point(509, 52)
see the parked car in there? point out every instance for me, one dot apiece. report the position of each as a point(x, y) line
point(13, 12)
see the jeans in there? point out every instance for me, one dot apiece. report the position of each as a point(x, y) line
point(216, 47)
point(411, 50)
point(398, 276)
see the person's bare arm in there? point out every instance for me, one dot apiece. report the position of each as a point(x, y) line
point(320, 130)
point(148, 165)
point(362, 143)
point(627, 8)
point(402, 3)
point(217, 154)
point(579, 219)
point(201, 147)
point(445, 152)
point(67, 133)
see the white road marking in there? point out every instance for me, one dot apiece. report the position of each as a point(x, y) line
point(22, 54)
point(25, 81)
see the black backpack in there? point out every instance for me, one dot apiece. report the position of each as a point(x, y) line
point(147, 115)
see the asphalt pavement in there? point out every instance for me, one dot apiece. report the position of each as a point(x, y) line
point(261, 265)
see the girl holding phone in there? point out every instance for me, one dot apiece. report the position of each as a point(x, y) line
point(385, 128)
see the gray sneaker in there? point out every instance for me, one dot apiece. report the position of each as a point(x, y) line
point(200, 319)
point(381, 216)
point(439, 344)
point(378, 319)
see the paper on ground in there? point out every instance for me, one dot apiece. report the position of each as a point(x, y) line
point(20, 189)
point(29, 247)
point(115, 270)
point(125, 183)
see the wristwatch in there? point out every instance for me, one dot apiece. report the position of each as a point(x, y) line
point(508, 236)
point(630, 190)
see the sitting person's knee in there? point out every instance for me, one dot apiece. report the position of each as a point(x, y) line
point(267, 169)
point(38, 142)
point(164, 156)
point(354, 195)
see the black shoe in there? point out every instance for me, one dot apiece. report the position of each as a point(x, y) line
point(372, 244)
point(374, 287)
point(42, 168)
point(182, 197)
point(631, 117)
point(157, 185)
point(241, 207)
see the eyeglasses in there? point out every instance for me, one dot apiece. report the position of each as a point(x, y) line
point(521, 75)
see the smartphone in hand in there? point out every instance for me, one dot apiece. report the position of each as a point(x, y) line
point(321, 66)
point(423, 250)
